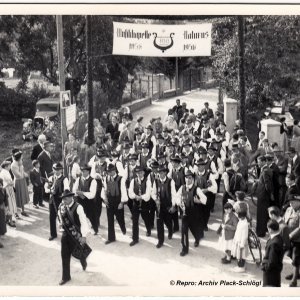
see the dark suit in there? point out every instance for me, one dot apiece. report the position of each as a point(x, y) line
point(210, 113)
point(38, 188)
point(272, 262)
point(264, 191)
point(46, 164)
point(36, 151)
point(292, 190)
point(276, 184)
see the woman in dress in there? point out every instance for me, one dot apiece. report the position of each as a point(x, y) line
point(171, 124)
point(3, 207)
point(22, 195)
point(296, 136)
point(283, 142)
point(8, 185)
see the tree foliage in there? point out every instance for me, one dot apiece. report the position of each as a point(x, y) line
point(272, 58)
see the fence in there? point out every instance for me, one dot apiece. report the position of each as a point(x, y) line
point(156, 86)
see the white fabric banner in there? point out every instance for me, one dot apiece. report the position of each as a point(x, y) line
point(162, 40)
point(70, 116)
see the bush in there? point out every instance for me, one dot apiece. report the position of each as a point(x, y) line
point(15, 105)
point(39, 91)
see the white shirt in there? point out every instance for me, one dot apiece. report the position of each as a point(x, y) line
point(214, 187)
point(52, 179)
point(93, 188)
point(199, 193)
point(7, 180)
point(124, 196)
point(173, 192)
point(84, 228)
point(75, 170)
point(146, 196)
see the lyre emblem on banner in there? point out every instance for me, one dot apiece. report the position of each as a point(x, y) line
point(163, 42)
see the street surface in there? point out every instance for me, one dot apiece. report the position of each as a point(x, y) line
point(29, 259)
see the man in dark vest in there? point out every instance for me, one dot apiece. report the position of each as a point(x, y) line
point(151, 178)
point(229, 191)
point(56, 185)
point(177, 174)
point(114, 195)
point(164, 194)
point(205, 180)
point(190, 197)
point(139, 191)
point(144, 157)
point(85, 188)
point(70, 212)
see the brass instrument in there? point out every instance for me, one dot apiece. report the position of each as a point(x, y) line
point(158, 204)
point(140, 200)
point(183, 200)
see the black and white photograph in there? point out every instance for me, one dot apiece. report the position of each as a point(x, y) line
point(149, 149)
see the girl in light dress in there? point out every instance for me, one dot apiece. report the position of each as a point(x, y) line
point(240, 241)
point(8, 185)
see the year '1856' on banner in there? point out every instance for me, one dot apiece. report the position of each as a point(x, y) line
point(162, 40)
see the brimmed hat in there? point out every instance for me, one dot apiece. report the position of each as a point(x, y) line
point(145, 145)
point(111, 167)
point(202, 150)
point(240, 195)
point(187, 143)
point(161, 155)
point(85, 167)
point(132, 156)
point(200, 162)
point(126, 146)
point(149, 127)
point(188, 173)
point(66, 194)
point(291, 150)
point(162, 169)
point(154, 165)
point(176, 158)
point(139, 169)
point(160, 137)
point(57, 166)
point(140, 118)
point(138, 131)
point(114, 153)
point(101, 153)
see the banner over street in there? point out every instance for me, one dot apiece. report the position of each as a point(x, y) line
point(162, 40)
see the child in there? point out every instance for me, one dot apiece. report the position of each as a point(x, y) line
point(3, 208)
point(227, 229)
point(241, 204)
point(240, 241)
point(37, 183)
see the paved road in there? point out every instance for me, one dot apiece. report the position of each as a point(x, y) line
point(30, 259)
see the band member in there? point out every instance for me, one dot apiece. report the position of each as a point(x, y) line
point(138, 139)
point(160, 146)
point(85, 188)
point(99, 159)
point(144, 158)
point(205, 180)
point(148, 137)
point(139, 191)
point(190, 196)
point(114, 195)
point(56, 185)
point(214, 159)
point(72, 219)
point(130, 174)
point(164, 194)
point(151, 178)
point(125, 155)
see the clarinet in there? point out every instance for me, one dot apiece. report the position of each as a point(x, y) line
point(140, 201)
point(183, 200)
point(158, 204)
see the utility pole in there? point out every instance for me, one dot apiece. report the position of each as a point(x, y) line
point(91, 138)
point(62, 87)
point(176, 76)
point(242, 89)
